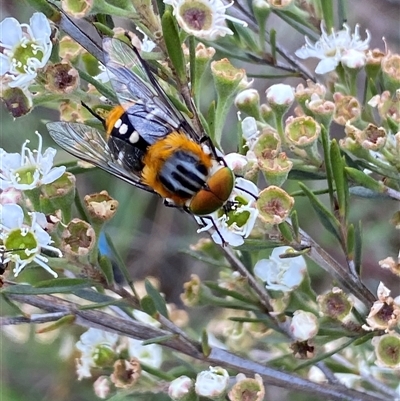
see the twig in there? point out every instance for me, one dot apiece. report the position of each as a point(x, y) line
point(34, 318)
point(125, 327)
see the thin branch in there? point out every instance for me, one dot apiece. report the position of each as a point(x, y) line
point(343, 276)
point(125, 327)
point(34, 318)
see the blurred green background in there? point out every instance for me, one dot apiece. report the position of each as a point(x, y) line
point(153, 239)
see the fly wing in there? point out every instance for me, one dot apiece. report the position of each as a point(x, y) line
point(90, 145)
point(140, 94)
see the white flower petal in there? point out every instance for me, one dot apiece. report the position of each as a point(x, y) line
point(10, 32)
point(40, 27)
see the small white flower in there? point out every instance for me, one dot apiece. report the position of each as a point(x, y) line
point(180, 388)
point(212, 383)
point(281, 274)
point(101, 387)
point(304, 325)
point(353, 59)
point(280, 95)
point(24, 49)
point(29, 169)
point(236, 223)
point(150, 354)
point(24, 242)
point(236, 162)
point(330, 49)
point(97, 348)
point(204, 19)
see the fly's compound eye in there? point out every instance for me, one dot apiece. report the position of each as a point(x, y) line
point(210, 199)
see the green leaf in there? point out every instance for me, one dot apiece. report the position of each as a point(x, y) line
point(328, 166)
point(173, 43)
point(158, 299)
point(327, 219)
point(272, 41)
point(229, 293)
point(350, 241)
point(204, 344)
point(295, 224)
point(61, 285)
point(364, 180)
point(339, 177)
point(159, 340)
point(327, 14)
point(107, 269)
point(286, 232)
point(297, 174)
point(149, 306)
point(358, 248)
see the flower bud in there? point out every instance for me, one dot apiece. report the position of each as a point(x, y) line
point(304, 325)
point(322, 110)
point(78, 238)
point(61, 78)
point(248, 101)
point(181, 389)
point(274, 205)
point(17, 101)
point(391, 71)
point(348, 108)
point(126, 373)
point(335, 304)
point(387, 350)
point(280, 97)
point(10, 195)
point(247, 388)
point(212, 383)
point(266, 113)
point(101, 387)
point(373, 63)
point(100, 206)
point(77, 8)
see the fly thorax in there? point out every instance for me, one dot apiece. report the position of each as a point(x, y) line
point(183, 174)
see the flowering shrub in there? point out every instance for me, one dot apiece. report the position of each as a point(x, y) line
point(324, 138)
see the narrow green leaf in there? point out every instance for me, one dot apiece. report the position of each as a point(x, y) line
point(116, 302)
point(350, 241)
point(106, 92)
point(172, 41)
point(148, 306)
point(272, 40)
point(286, 232)
point(46, 8)
point(295, 224)
point(338, 175)
point(328, 165)
point(229, 293)
point(64, 321)
point(24, 289)
point(358, 248)
point(204, 344)
point(159, 340)
point(327, 219)
point(327, 14)
point(63, 282)
point(364, 180)
point(106, 268)
point(158, 299)
point(297, 174)
point(211, 120)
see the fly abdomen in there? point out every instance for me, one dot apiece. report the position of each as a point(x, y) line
point(183, 174)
